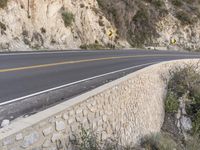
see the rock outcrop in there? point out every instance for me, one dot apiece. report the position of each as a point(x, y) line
point(34, 24)
point(153, 24)
point(171, 24)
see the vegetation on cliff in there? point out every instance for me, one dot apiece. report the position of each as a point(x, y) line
point(68, 18)
point(3, 3)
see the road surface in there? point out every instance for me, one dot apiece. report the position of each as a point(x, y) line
point(27, 73)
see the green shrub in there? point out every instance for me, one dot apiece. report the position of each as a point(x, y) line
point(2, 26)
point(195, 93)
point(86, 140)
point(141, 15)
point(101, 3)
point(171, 103)
point(196, 123)
point(94, 46)
point(177, 3)
point(143, 30)
point(191, 1)
point(89, 140)
point(193, 143)
point(3, 3)
point(193, 110)
point(158, 3)
point(184, 80)
point(159, 142)
point(68, 18)
point(184, 17)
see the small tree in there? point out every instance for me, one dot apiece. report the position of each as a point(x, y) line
point(68, 18)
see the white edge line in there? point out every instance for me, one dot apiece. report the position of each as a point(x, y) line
point(76, 82)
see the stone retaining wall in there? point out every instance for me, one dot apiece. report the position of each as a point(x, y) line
point(129, 108)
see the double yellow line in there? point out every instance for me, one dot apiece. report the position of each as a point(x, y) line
point(79, 61)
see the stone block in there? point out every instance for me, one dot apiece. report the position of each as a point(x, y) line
point(46, 143)
point(47, 131)
point(60, 125)
point(19, 137)
point(8, 141)
point(65, 116)
point(55, 137)
point(30, 139)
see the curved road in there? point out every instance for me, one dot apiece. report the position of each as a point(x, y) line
point(27, 73)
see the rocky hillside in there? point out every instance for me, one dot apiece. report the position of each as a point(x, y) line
point(54, 24)
point(62, 24)
point(174, 24)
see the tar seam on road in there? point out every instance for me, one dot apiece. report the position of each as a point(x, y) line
point(73, 83)
point(81, 61)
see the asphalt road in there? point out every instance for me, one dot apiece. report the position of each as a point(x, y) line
point(26, 73)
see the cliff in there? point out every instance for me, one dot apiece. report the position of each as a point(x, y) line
point(174, 24)
point(71, 24)
point(51, 24)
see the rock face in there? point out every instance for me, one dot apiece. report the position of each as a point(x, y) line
point(172, 24)
point(26, 24)
point(187, 36)
point(161, 24)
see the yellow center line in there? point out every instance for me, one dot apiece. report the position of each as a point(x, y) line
point(79, 61)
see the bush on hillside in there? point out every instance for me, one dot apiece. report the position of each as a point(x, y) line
point(177, 3)
point(2, 26)
point(158, 3)
point(3, 3)
point(171, 103)
point(94, 46)
point(184, 80)
point(68, 18)
point(184, 17)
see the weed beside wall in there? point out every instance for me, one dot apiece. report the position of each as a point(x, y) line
point(182, 107)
